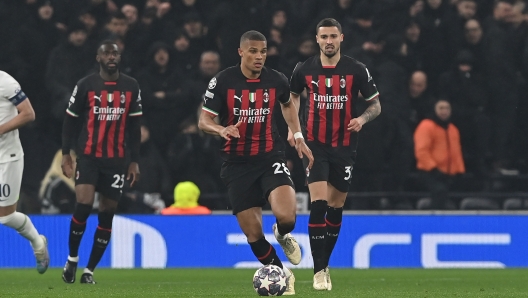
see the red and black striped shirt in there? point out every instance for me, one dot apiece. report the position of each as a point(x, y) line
point(332, 97)
point(233, 97)
point(105, 107)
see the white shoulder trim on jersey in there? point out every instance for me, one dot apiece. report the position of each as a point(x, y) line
point(136, 114)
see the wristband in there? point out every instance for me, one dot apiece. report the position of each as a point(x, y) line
point(298, 135)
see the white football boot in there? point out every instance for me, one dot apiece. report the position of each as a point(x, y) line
point(289, 245)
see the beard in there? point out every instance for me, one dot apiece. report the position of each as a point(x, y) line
point(108, 69)
point(330, 55)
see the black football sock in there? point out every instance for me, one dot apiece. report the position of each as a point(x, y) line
point(265, 252)
point(317, 231)
point(101, 239)
point(77, 227)
point(284, 229)
point(334, 217)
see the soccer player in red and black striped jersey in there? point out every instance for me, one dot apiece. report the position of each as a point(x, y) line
point(105, 107)
point(254, 171)
point(331, 125)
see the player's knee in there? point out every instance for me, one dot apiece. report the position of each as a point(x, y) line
point(105, 219)
point(82, 212)
point(7, 218)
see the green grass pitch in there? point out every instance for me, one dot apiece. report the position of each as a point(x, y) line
point(385, 283)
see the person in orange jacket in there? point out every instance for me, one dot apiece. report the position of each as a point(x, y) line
point(438, 154)
point(186, 196)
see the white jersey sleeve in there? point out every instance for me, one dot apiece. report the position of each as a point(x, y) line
point(11, 95)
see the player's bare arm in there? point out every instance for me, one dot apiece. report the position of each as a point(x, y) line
point(25, 115)
point(289, 111)
point(208, 125)
point(373, 110)
point(296, 100)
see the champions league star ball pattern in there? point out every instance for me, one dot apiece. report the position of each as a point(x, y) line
point(270, 280)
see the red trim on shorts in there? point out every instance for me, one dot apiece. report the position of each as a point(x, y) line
point(317, 225)
point(266, 255)
point(331, 224)
point(103, 229)
point(78, 222)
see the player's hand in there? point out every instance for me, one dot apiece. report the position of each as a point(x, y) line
point(67, 165)
point(302, 149)
point(290, 139)
point(356, 124)
point(231, 131)
point(133, 172)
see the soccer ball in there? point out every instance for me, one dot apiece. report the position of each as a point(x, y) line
point(270, 280)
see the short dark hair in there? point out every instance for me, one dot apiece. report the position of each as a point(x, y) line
point(252, 35)
point(116, 15)
point(328, 22)
point(106, 42)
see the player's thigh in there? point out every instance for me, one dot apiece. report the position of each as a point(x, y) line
point(242, 183)
point(86, 177)
point(250, 221)
point(340, 172)
point(320, 167)
point(278, 188)
point(111, 179)
point(10, 182)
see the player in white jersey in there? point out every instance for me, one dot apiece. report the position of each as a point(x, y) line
point(16, 111)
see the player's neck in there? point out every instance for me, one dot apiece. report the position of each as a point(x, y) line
point(330, 61)
point(249, 74)
point(109, 77)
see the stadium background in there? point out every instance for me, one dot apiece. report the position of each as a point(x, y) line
point(173, 48)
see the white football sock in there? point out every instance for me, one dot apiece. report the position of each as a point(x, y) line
point(23, 225)
point(73, 259)
point(86, 270)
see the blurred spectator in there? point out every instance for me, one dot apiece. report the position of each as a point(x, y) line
point(436, 59)
point(473, 43)
point(502, 65)
point(57, 192)
point(149, 194)
point(439, 156)
point(192, 157)
point(92, 29)
point(421, 100)
point(67, 64)
point(465, 90)
point(184, 60)
point(165, 98)
point(306, 48)
point(197, 83)
point(226, 27)
point(186, 196)
point(391, 79)
point(34, 43)
point(415, 46)
point(454, 25)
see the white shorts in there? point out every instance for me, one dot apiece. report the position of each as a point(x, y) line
point(10, 181)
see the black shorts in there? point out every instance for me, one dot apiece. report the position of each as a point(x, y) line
point(331, 164)
point(108, 175)
point(250, 183)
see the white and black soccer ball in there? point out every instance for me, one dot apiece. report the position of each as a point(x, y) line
point(270, 280)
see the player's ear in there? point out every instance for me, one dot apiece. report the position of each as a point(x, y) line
point(97, 58)
point(240, 52)
point(342, 35)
